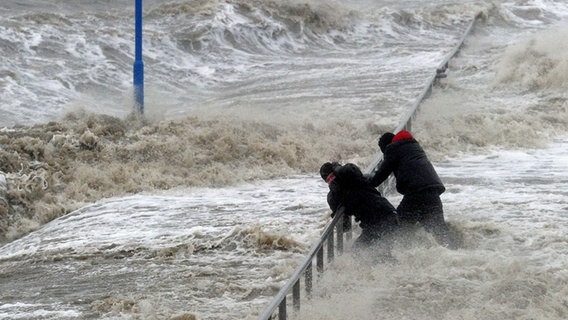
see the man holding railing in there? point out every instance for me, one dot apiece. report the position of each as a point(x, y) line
point(348, 187)
point(417, 181)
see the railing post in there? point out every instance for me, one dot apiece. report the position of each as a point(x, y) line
point(330, 248)
point(349, 234)
point(296, 295)
point(308, 279)
point(282, 310)
point(138, 71)
point(319, 260)
point(339, 228)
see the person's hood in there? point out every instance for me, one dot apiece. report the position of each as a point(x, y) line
point(402, 135)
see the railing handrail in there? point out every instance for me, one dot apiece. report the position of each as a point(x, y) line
point(406, 122)
point(279, 300)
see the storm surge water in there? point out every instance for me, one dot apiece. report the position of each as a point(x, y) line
point(235, 92)
point(203, 208)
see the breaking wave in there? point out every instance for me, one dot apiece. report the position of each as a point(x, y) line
point(54, 168)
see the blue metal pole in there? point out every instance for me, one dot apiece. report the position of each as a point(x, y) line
point(138, 63)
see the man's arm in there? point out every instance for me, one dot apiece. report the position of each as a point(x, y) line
point(333, 201)
point(385, 169)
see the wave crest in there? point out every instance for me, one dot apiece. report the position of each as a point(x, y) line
point(54, 168)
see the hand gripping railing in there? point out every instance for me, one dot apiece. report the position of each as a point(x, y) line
point(331, 241)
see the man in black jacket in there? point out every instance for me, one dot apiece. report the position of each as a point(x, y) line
point(416, 180)
point(377, 217)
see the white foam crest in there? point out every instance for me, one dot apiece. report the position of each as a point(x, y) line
point(523, 15)
point(36, 311)
point(538, 62)
point(62, 62)
point(516, 184)
point(198, 220)
point(227, 17)
point(77, 46)
point(477, 109)
point(533, 13)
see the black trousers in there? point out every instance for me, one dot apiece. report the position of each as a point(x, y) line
point(425, 208)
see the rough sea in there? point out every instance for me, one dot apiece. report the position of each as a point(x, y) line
point(203, 207)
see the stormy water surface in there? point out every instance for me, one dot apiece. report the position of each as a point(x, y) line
point(204, 207)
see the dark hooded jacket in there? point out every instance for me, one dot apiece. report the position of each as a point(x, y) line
point(405, 158)
point(348, 187)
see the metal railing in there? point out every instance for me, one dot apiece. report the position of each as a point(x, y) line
point(406, 122)
point(327, 241)
point(332, 242)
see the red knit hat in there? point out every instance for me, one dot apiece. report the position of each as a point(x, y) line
point(402, 135)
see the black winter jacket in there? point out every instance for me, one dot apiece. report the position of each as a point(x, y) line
point(413, 171)
point(352, 190)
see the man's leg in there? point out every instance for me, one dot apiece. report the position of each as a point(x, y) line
point(433, 221)
point(425, 209)
point(409, 211)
